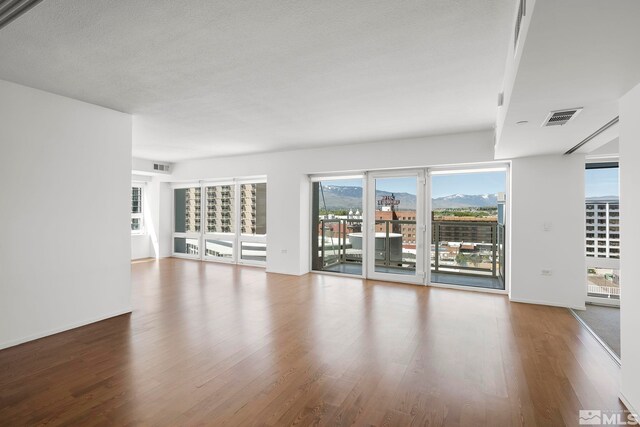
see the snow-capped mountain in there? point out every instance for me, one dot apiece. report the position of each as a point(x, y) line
point(466, 201)
point(349, 197)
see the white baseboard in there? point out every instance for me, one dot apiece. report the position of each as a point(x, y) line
point(552, 304)
point(283, 272)
point(630, 407)
point(54, 331)
point(468, 288)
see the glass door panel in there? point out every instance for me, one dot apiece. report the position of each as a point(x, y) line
point(337, 242)
point(468, 227)
point(397, 226)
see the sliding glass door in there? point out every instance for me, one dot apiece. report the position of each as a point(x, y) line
point(337, 239)
point(387, 235)
point(468, 220)
point(396, 226)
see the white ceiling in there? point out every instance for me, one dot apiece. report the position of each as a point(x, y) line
point(212, 78)
point(577, 53)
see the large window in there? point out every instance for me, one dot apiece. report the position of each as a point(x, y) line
point(232, 227)
point(602, 230)
point(337, 239)
point(137, 219)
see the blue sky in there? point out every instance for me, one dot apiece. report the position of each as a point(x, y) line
point(468, 183)
point(442, 185)
point(598, 182)
point(601, 182)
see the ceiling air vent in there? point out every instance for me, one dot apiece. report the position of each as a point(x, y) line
point(560, 117)
point(160, 167)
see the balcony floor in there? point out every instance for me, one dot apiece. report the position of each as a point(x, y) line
point(443, 278)
point(345, 268)
point(464, 280)
point(604, 321)
point(356, 269)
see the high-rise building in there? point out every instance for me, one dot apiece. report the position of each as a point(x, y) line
point(192, 209)
point(603, 228)
point(220, 209)
point(253, 208)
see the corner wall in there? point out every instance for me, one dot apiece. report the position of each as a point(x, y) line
point(629, 250)
point(547, 230)
point(65, 168)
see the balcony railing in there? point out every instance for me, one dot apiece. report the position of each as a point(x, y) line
point(336, 246)
point(458, 247)
point(468, 247)
point(603, 291)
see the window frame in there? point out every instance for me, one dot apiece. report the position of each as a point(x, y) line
point(186, 234)
point(595, 260)
point(140, 215)
point(236, 237)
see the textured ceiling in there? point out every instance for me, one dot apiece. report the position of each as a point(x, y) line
point(214, 78)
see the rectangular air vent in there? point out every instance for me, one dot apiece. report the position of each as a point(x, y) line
point(160, 167)
point(561, 117)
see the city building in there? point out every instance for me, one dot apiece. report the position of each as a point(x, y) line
point(192, 209)
point(253, 206)
point(220, 208)
point(602, 228)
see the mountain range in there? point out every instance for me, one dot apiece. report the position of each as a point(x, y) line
point(348, 197)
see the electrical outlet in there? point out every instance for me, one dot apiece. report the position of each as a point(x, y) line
point(545, 272)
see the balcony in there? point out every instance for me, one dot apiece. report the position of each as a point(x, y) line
point(468, 253)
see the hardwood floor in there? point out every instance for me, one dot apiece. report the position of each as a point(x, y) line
point(216, 344)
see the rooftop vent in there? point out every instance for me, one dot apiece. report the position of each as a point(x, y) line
point(13, 9)
point(560, 117)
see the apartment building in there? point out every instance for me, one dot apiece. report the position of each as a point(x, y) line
point(603, 228)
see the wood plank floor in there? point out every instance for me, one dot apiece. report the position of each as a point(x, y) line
point(215, 344)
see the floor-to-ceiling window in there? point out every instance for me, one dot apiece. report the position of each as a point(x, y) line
point(396, 211)
point(602, 232)
point(252, 231)
point(375, 225)
point(186, 220)
point(468, 227)
point(337, 238)
point(602, 253)
point(232, 226)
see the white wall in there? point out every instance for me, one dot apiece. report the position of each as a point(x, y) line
point(65, 168)
point(548, 190)
point(288, 222)
point(629, 250)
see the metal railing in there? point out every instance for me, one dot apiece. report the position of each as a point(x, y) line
point(459, 247)
point(468, 247)
point(339, 250)
point(603, 291)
